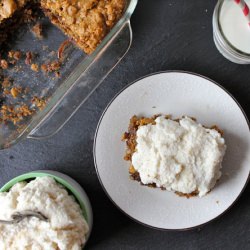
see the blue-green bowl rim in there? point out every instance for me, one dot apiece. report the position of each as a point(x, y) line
point(64, 183)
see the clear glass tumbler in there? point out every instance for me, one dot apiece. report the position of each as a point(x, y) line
point(220, 31)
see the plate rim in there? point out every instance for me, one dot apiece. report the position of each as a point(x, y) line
point(96, 133)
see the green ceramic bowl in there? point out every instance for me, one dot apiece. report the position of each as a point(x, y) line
point(71, 185)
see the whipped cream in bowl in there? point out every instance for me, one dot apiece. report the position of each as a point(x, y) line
point(56, 196)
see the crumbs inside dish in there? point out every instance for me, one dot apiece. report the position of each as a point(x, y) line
point(85, 23)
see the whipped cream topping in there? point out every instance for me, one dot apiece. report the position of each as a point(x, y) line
point(65, 230)
point(180, 156)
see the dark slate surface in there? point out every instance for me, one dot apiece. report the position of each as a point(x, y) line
point(168, 35)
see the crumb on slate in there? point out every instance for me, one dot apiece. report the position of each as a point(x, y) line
point(37, 30)
point(4, 64)
point(14, 54)
point(29, 57)
point(39, 102)
point(34, 67)
point(51, 66)
point(15, 91)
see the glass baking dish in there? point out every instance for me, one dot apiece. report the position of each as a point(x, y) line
point(80, 75)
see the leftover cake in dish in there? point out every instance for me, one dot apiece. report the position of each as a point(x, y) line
point(85, 21)
point(177, 155)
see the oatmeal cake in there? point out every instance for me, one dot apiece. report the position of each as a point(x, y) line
point(85, 21)
point(177, 155)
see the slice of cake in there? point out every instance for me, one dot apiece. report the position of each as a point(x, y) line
point(85, 21)
point(177, 155)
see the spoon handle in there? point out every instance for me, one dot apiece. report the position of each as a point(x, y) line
point(6, 222)
point(18, 216)
point(28, 213)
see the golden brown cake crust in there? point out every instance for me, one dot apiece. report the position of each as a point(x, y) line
point(86, 21)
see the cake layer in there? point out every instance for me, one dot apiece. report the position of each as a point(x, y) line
point(85, 21)
point(178, 155)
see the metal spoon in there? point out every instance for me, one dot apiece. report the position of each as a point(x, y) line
point(19, 216)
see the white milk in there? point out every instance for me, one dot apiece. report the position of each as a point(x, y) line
point(235, 26)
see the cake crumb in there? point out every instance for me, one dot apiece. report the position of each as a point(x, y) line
point(51, 66)
point(39, 102)
point(4, 64)
point(34, 67)
point(37, 30)
point(15, 91)
point(14, 55)
point(29, 57)
point(6, 82)
point(44, 67)
point(14, 115)
point(6, 92)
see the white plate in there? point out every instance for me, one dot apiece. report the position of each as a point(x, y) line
point(176, 93)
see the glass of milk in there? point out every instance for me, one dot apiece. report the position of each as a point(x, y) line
point(232, 31)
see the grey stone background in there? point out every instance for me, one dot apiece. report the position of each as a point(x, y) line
point(168, 34)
